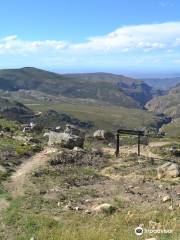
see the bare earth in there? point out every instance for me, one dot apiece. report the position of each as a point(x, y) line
point(20, 177)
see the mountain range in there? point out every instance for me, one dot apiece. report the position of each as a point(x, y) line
point(101, 87)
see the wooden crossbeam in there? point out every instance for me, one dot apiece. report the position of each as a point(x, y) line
point(131, 132)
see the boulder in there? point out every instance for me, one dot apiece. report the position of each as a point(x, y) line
point(65, 140)
point(168, 169)
point(103, 135)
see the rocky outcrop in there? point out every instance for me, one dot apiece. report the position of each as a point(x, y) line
point(70, 138)
point(52, 119)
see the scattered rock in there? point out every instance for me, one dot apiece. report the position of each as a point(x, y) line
point(154, 225)
point(72, 130)
point(65, 140)
point(3, 170)
point(78, 149)
point(166, 198)
point(103, 135)
point(104, 208)
point(171, 208)
point(168, 169)
point(97, 152)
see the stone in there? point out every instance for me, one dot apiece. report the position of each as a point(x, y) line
point(166, 198)
point(151, 239)
point(2, 170)
point(32, 238)
point(154, 225)
point(171, 208)
point(168, 169)
point(97, 152)
point(103, 135)
point(104, 208)
point(78, 149)
point(72, 130)
point(65, 140)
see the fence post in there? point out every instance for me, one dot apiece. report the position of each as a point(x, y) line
point(139, 142)
point(117, 144)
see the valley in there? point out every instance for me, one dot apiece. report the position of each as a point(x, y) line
point(59, 177)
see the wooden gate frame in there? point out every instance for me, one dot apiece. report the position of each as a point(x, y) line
point(131, 132)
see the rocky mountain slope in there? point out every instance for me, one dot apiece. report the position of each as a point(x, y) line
point(168, 104)
point(14, 110)
point(102, 87)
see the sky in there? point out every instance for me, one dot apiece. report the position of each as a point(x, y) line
point(132, 36)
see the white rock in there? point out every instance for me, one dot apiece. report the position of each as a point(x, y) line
point(105, 207)
point(171, 208)
point(166, 198)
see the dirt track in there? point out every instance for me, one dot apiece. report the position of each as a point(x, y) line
point(16, 183)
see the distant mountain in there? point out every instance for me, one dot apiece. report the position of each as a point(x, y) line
point(162, 83)
point(101, 87)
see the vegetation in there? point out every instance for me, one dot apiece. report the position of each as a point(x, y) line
point(114, 89)
point(104, 117)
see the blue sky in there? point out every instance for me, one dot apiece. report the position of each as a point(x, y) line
point(132, 36)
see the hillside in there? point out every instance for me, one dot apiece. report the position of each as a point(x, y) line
point(168, 104)
point(14, 110)
point(162, 83)
point(101, 87)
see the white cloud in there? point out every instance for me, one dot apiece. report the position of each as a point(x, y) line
point(147, 44)
point(146, 37)
point(13, 44)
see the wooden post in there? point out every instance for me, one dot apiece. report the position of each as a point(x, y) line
point(139, 142)
point(117, 144)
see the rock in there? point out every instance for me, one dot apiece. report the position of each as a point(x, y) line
point(97, 152)
point(32, 125)
point(166, 198)
point(104, 208)
point(154, 225)
point(168, 169)
point(78, 149)
point(58, 129)
point(151, 239)
point(26, 129)
point(3, 170)
point(103, 135)
point(65, 140)
point(72, 130)
point(171, 208)
point(32, 238)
